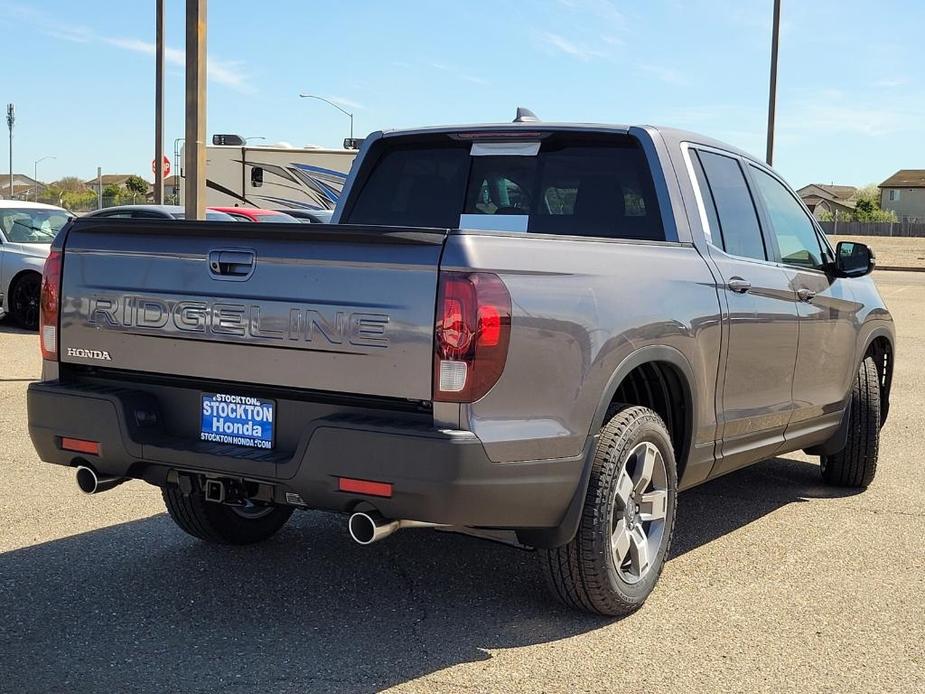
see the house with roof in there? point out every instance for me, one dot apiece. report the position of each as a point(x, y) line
point(828, 199)
point(24, 187)
point(904, 194)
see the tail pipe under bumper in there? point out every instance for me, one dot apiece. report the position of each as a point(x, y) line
point(367, 527)
point(91, 483)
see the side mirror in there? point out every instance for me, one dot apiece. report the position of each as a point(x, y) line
point(853, 259)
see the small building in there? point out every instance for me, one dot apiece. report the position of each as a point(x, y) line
point(829, 199)
point(24, 187)
point(904, 194)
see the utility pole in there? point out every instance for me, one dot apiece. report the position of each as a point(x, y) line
point(99, 187)
point(772, 96)
point(159, 105)
point(10, 119)
point(195, 145)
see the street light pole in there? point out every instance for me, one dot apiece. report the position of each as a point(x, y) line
point(10, 120)
point(331, 103)
point(35, 177)
point(253, 137)
point(772, 96)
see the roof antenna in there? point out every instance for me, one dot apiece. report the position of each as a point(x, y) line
point(525, 115)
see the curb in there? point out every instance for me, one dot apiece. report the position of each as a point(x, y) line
point(897, 268)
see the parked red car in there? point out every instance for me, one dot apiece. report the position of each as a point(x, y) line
point(255, 214)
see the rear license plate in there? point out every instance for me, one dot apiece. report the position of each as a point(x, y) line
point(237, 420)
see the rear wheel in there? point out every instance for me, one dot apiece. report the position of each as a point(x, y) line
point(221, 523)
point(24, 300)
point(856, 464)
point(617, 555)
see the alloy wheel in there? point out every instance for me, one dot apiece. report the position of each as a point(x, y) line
point(638, 509)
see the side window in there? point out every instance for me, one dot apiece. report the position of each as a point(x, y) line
point(735, 209)
point(257, 176)
point(795, 233)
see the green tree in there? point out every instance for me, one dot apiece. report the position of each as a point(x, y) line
point(867, 206)
point(136, 185)
point(69, 184)
point(79, 200)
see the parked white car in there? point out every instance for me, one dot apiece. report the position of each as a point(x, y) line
point(26, 232)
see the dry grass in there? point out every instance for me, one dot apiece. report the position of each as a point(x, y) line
point(892, 251)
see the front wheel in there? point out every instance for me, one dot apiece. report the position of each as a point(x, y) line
point(24, 300)
point(856, 464)
point(220, 523)
point(612, 564)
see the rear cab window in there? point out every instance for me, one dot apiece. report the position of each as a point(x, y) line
point(567, 184)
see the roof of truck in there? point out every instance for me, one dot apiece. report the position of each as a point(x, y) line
point(672, 136)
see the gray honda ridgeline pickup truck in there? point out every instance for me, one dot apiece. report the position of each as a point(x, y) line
point(549, 329)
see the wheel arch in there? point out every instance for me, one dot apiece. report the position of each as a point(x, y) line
point(677, 376)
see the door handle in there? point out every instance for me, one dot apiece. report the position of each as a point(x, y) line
point(806, 295)
point(739, 285)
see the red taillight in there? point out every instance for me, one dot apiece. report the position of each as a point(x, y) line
point(49, 306)
point(471, 336)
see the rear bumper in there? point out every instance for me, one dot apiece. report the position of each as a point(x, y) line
point(437, 476)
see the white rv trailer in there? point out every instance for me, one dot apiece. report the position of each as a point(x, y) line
point(274, 176)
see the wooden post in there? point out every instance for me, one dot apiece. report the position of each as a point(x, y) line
point(159, 104)
point(194, 165)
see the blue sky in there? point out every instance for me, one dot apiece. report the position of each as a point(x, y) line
point(851, 105)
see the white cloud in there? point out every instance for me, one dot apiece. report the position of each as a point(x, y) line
point(473, 79)
point(669, 75)
point(602, 9)
point(892, 83)
point(582, 51)
point(230, 73)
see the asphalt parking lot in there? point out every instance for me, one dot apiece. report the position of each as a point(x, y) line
point(776, 583)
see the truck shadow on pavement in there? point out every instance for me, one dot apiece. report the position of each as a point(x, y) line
point(8, 327)
point(141, 607)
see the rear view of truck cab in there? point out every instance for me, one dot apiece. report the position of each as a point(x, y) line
point(508, 329)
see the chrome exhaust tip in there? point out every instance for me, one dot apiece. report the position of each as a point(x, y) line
point(90, 483)
point(367, 528)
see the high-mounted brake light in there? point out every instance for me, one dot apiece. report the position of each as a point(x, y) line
point(50, 305)
point(471, 335)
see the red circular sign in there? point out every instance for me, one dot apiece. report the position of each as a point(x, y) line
point(166, 166)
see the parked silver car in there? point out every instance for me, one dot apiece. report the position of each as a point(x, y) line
point(26, 232)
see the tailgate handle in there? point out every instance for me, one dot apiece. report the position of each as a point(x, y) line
point(231, 264)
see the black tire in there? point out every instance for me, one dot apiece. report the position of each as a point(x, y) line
point(220, 523)
point(856, 464)
point(584, 574)
point(24, 300)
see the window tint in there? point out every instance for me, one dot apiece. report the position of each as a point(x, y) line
point(414, 186)
point(795, 234)
point(500, 185)
point(735, 209)
point(575, 186)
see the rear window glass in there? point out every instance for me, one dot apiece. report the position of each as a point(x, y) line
point(572, 186)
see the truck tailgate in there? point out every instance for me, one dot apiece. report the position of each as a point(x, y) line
point(324, 307)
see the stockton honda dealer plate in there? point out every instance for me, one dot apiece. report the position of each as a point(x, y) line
point(237, 420)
